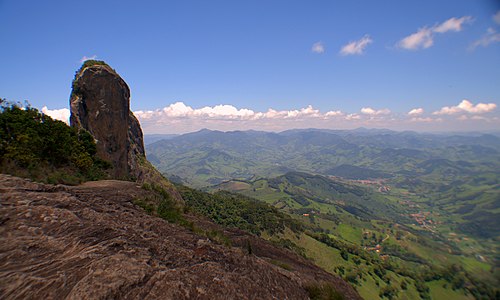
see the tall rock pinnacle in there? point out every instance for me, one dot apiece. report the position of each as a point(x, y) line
point(100, 104)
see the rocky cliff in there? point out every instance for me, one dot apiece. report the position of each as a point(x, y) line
point(100, 104)
point(92, 242)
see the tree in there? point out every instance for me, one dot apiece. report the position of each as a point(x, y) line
point(344, 254)
point(33, 144)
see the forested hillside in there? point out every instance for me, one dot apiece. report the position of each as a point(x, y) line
point(209, 157)
point(397, 214)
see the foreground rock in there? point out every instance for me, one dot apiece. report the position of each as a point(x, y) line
point(92, 242)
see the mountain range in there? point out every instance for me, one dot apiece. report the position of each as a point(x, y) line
point(207, 157)
point(420, 201)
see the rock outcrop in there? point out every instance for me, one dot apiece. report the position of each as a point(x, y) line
point(100, 104)
point(92, 242)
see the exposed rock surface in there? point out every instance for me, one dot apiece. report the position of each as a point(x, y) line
point(136, 147)
point(91, 242)
point(100, 103)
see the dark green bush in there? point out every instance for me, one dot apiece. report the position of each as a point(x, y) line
point(34, 145)
point(233, 210)
point(323, 291)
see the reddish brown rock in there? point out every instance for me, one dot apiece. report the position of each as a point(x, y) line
point(100, 104)
point(91, 242)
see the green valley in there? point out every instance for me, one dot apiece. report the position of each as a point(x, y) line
point(372, 221)
point(398, 215)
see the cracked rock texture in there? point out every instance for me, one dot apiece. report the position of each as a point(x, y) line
point(91, 242)
point(100, 104)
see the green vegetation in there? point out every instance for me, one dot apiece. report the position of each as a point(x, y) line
point(233, 210)
point(218, 237)
point(404, 210)
point(345, 246)
point(288, 244)
point(92, 62)
point(281, 264)
point(207, 157)
point(86, 64)
point(159, 202)
point(347, 217)
point(34, 145)
point(323, 291)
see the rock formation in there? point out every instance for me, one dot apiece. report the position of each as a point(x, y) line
point(92, 242)
point(100, 104)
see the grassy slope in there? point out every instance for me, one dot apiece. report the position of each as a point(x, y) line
point(447, 179)
point(438, 291)
point(350, 228)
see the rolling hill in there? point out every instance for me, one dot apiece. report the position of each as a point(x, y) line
point(208, 157)
point(393, 213)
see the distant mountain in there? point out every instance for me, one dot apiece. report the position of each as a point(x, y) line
point(208, 157)
point(354, 172)
point(151, 138)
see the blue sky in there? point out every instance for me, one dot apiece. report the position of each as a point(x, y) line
point(262, 55)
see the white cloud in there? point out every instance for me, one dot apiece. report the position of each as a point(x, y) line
point(224, 111)
point(181, 118)
point(424, 120)
point(476, 118)
point(490, 37)
point(424, 37)
point(178, 109)
point(318, 47)
point(496, 17)
point(481, 118)
point(228, 112)
point(466, 107)
point(84, 58)
point(416, 111)
point(453, 24)
point(334, 113)
point(350, 117)
point(373, 112)
point(356, 47)
point(57, 114)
